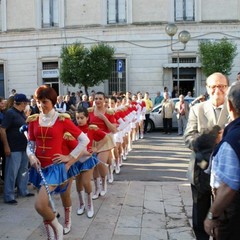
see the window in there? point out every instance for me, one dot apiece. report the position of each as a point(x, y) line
point(116, 11)
point(185, 60)
point(184, 10)
point(49, 65)
point(50, 13)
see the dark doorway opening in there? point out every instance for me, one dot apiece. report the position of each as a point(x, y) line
point(187, 77)
point(185, 86)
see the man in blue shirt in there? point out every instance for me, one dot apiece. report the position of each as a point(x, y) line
point(158, 99)
point(222, 221)
point(15, 143)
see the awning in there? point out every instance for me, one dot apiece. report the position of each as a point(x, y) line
point(182, 65)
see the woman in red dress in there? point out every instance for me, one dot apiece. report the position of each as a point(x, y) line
point(45, 132)
point(104, 118)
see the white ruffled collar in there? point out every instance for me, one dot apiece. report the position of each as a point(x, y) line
point(49, 118)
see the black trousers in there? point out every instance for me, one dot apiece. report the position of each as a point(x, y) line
point(147, 116)
point(200, 208)
point(167, 125)
point(229, 223)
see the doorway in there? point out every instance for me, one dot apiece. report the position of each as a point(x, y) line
point(185, 86)
point(54, 85)
point(187, 79)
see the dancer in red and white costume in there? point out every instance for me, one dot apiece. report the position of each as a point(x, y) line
point(140, 101)
point(104, 118)
point(83, 181)
point(45, 134)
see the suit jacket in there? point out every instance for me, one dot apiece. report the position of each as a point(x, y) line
point(201, 118)
point(167, 108)
point(186, 109)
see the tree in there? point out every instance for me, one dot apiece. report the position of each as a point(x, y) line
point(217, 56)
point(86, 67)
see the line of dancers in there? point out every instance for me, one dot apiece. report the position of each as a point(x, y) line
point(92, 148)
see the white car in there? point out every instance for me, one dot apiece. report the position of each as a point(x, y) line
point(156, 120)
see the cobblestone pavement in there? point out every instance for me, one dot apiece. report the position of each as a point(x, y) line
point(131, 209)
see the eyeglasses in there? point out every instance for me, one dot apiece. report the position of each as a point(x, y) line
point(221, 87)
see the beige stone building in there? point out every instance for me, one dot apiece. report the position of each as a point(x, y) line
point(33, 32)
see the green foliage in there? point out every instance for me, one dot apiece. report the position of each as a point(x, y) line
point(86, 67)
point(217, 56)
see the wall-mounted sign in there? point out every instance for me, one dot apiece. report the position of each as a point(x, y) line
point(50, 73)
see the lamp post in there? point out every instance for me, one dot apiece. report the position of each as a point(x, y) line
point(183, 37)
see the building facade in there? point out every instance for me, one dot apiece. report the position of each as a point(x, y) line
point(34, 31)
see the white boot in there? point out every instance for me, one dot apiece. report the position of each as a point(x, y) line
point(57, 228)
point(124, 156)
point(117, 168)
point(81, 197)
point(49, 230)
point(110, 174)
point(97, 188)
point(137, 136)
point(90, 211)
point(104, 186)
point(120, 161)
point(68, 220)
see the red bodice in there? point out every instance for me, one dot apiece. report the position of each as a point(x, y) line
point(93, 133)
point(100, 123)
point(49, 140)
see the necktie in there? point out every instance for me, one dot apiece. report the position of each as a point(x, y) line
point(217, 113)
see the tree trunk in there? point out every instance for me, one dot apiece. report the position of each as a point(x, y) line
point(86, 90)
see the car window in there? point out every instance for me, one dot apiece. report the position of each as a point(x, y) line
point(158, 108)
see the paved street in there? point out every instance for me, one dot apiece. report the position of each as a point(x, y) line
point(150, 199)
point(157, 157)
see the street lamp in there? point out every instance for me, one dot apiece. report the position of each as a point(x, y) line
point(183, 37)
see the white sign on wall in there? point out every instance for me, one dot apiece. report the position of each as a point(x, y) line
point(50, 73)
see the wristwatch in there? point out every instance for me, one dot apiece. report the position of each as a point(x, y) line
point(211, 217)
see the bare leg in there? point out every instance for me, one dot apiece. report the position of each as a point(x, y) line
point(86, 177)
point(110, 167)
point(43, 208)
point(103, 170)
point(96, 180)
point(67, 204)
point(118, 154)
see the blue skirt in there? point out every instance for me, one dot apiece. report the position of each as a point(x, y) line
point(57, 175)
point(54, 174)
point(79, 167)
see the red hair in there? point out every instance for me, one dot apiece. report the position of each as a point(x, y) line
point(44, 92)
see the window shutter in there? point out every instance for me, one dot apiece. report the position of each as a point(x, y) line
point(121, 11)
point(55, 13)
point(46, 13)
point(190, 10)
point(178, 10)
point(111, 11)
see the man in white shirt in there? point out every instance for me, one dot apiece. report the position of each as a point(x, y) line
point(60, 105)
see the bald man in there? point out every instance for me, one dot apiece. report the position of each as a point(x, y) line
point(202, 117)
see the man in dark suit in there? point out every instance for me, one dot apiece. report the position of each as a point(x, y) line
point(203, 117)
